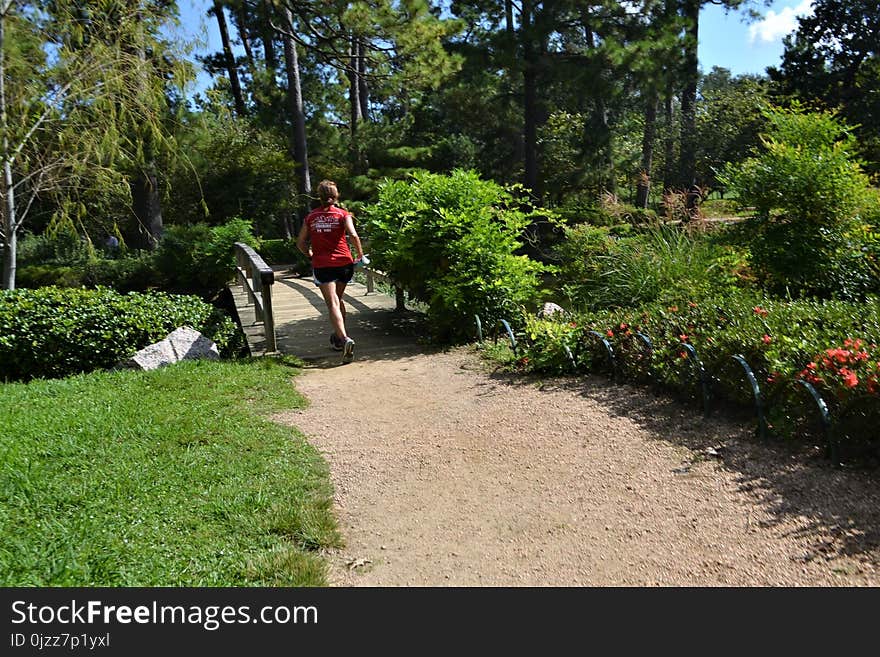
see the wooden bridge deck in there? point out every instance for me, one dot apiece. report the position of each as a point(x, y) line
point(302, 327)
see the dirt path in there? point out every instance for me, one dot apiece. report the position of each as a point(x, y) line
point(449, 474)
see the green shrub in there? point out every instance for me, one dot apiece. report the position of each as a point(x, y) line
point(809, 194)
point(199, 258)
point(601, 270)
point(450, 241)
point(60, 244)
point(55, 332)
point(132, 272)
point(32, 276)
point(281, 252)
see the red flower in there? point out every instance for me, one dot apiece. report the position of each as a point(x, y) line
point(682, 354)
point(766, 339)
point(842, 355)
point(673, 309)
point(683, 337)
point(609, 333)
point(809, 377)
point(623, 326)
point(572, 324)
point(760, 311)
point(850, 380)
point(692, 304)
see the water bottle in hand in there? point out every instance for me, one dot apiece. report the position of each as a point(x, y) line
point(363, 261)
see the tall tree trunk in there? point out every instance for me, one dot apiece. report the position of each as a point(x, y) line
point(508, 17)
point(363, 92)
point(607, 141)
point(354, 105)
point(298, 119)
point(269, 37)
point(146, 201)
point(530, 100)
point(147, 205)
point(599, 122)
point(241, 22)
point(668, 140)
point(688, 161)
point(643, 189)
point(10, 230)
point(229, 57)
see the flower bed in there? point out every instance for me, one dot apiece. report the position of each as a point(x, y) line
point(831, 345)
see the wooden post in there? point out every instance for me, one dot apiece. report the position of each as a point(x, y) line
point(269, 320)
point(370, 281)
point(399, 298)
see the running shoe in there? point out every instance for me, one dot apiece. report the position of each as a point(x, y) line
point(348, 350)
point(335, 343)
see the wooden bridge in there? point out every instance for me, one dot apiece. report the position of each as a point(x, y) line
point(298, 317)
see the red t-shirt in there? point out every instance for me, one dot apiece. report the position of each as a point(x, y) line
point(327, 234)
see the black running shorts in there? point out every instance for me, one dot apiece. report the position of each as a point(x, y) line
point(323, 275)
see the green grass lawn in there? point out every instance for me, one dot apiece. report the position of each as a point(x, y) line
point(166, 478)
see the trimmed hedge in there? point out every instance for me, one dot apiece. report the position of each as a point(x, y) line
point(54, 332)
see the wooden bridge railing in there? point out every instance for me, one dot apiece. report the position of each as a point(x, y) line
point(257, 278)
point(374, 275)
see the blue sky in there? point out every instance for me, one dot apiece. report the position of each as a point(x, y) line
point(726, 39)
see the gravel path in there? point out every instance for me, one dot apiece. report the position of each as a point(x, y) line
point(448, 473)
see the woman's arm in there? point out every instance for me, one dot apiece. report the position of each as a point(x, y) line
point(302, 241)
point(349, 228)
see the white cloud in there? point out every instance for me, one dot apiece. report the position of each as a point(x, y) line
point(775, 26)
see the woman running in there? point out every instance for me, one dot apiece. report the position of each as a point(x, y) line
point(323, 239)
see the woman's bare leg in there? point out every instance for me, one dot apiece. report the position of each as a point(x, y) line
point(337, 311)
point(340, 290)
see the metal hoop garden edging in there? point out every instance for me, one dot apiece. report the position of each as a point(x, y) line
point(479, 328)
point(509, 334)
point(609, 350)
point(831, 442)
point(648, 351)
point(756, 392)
point(700, 371)
point(570, 358)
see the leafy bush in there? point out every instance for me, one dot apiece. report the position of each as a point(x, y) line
point(61, 244)
point(600, 270)
point(808, 191)
point(450, 241)
point(133, 272)
point(281, 252)
point(232, 166)
point(199, 258)
point(32, 276)
point(55, 332)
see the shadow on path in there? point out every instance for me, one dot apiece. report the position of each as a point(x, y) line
point(789, 479)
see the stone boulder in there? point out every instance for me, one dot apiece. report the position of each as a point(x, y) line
point(183, 343)
point(550, 309)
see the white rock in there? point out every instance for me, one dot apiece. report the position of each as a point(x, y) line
point(184, 343)
point(550, 309)
point(188, 343)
